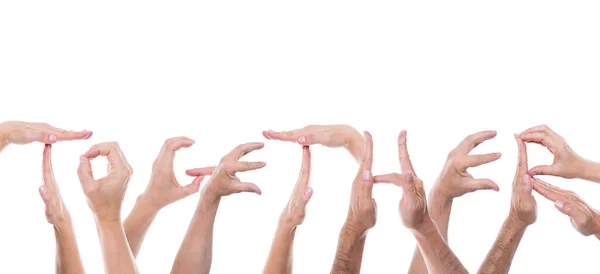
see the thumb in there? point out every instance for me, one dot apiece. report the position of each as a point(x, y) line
point(543, 170)
point(33, 135)
point(563, 208)
point(247, 187)
point(526, 186)
point(307, 194)
point(194, 186)
point(85, 171)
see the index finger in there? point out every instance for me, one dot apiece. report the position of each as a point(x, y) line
point(475, 139)
point(405, 163)
point(304, 176)
point(67, 135)
point(522, 158)
point(48, 173)
point(110, 150)
point(242, 150)
point(290, 136)
point(547, 190)
point(167, 152)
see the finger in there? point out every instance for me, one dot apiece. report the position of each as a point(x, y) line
point(167, 153)
point(477, 160)
point(307, 194)
point(203, 171)
point(309, 139)
point(290, 136)
point(540, 128)
point(405, 163)
point(194, 186)
point(45, 194)
point(247, 187)
point(242, 150)
point(522, 158)
point(246, 166)
point(526, 186)
point(48, 173)
point(473, 140)
point(304, 176)
point(68, 135)
point(543, 170)
point(85, 171)
point(549, 191)
point(393, 178)
point(366, 165)
point(542, 138)
point(110, 150)
point(564, 208)
point(481, 184)
point(409, 187)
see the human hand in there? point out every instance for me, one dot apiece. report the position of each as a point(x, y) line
point(16, 132)
point(523, 206)
point(362, 214)
point(105, 195)
point(584, 218)
point(326, 135)
point(296, 208)
point(455, 180)
point(163, 188)
point(224, 181)
point(413, 204)
point(566, 164)
point(56, 212)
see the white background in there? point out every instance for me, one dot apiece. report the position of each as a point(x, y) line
point(139, 72)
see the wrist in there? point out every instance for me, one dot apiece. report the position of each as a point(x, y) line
point(514, 222)
point(143, 204)
point(352, 231)
point(208, 200)
point(589, 170)
point(425, 228)
point(438, 200)
point(62, 224)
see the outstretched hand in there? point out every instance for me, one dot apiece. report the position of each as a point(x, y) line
point(17, 132)
point(362, 214)
point(296, 208)
point(56, 212)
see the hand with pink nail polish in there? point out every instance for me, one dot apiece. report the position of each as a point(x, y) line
point(162, 190)
point(584, 218)
point(362, 216)
point(16, 132)
point(68, 259)
point(326, 135)
point(566, 164)
point(280, 257)
point(105, 197)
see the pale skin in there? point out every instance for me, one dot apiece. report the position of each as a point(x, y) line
point(163, 189)
point(280, 257)
point(327, 135)
point(68, 260)
point(195, 253)
point(453, 182)
point(567, 163)
point(437, 255)
point(362, 216)
point(523, 213)
point(17, 132)
point(105, 196)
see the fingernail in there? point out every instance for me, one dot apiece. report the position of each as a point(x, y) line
point(498, 154)
point(308, 191)
point(532, 173)
point(526, 180)
point(367, 175)
point(301, 139)
point(82, 159)
point(410, 178)
point(52, 138)
point(43, 189)
point(559, 204)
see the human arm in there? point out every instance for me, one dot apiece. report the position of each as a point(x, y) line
point(162, 190)
point(195, 252)
point(326, 135)
point(455, 181)
point(68, 260)
point(105, 196)
point(362, 216)
point(523, 212)
point(17, 132)
point(280, 258)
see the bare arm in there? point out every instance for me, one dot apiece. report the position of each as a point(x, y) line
point(500, 256)
point(137, 224)
point(348, 256)
point(438, 257)
point(195, 253)
point(115, 249)
point(281, 255)
point(67, 253)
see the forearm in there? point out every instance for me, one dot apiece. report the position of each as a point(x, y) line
point(438, 257)
point(195, 253)
point(280, 258)
point(68, 259)
point(591, 171)
point(117, 255)
point(137, 224)
point(348, 257)
point(500, 256)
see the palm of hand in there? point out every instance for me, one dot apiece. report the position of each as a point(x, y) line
point(164, 189)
